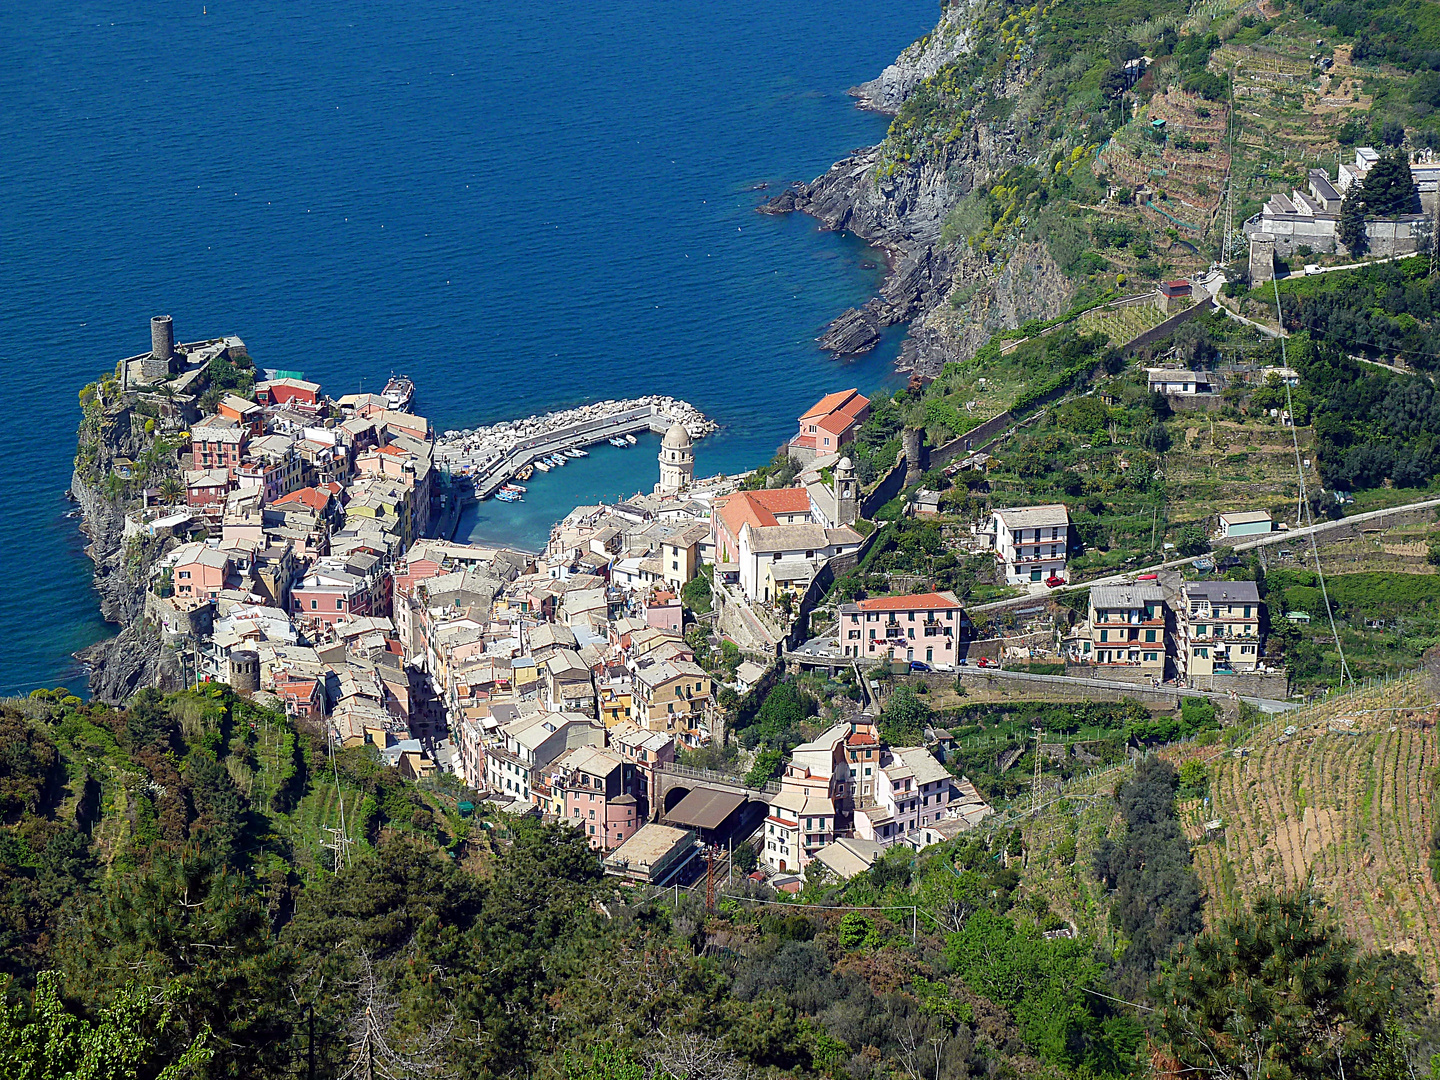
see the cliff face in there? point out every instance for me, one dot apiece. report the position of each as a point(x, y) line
point(136, 658)
point(902, 211)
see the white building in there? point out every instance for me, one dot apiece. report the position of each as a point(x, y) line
point(532, 742)
point(677, 460)
point(1032, 542)
point(764, 544)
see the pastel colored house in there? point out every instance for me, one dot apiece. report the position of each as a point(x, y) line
point(929, 628)
point(1128, 628)
point(603, 795)
point(829, 424)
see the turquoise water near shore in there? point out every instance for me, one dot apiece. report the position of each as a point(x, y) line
point(522, 206)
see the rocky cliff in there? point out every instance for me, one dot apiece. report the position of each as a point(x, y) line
point(953, 297)
point(136, 658)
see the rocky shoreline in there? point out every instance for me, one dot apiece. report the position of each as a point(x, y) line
point(902, 215)
point(135, 658)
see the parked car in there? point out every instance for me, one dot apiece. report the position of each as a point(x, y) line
point(916, 665)
point(985, 661)
point(1054, 582)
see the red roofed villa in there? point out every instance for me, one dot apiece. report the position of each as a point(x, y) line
point(829, 424)
point(928, 628)
point(731, 513)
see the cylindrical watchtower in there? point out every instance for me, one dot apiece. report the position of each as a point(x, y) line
point(245, 670)
point(162, 339)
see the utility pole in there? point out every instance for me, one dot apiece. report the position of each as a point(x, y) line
point(710, 879)
point(1035, 786)
point(310, 1049)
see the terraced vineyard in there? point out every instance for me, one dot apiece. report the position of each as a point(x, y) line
point(1343, 804)
point(1121, 324)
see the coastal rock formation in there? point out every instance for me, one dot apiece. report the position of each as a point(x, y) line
point(135, 658)
point(924, 58)
point(902, 207)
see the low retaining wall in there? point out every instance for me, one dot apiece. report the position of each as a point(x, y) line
point(1248, 683)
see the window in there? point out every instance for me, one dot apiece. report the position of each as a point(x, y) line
point(314, 604)
point(1104, 635)
point(339, 604)
point(1149, 635)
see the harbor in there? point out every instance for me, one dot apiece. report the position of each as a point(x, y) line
point(492, 458)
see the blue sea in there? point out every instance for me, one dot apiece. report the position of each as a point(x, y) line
point(522, 206)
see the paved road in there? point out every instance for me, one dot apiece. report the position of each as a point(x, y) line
point(1327, 526)
point(1269, 539)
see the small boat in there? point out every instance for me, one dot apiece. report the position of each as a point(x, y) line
point(573, 453)
point(557, 460)
point(543, 466)
point(398, 393)
point(508, 496)
point(617, 441)
point(526, 473)
point(631, 439)
point(519, 489)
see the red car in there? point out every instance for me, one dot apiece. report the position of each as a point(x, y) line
point(1054, 581)
point(1148, 577)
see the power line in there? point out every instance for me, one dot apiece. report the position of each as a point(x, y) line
point(1305, 503)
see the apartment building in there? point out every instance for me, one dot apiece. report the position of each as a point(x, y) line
point(1128, 628)
point(928, 627)
point(1032, 542)
point(1218, 627)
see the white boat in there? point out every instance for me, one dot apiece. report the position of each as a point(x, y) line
point(543, 466)
point(556, 459)
point(518, 488)
point(617, 441)
point(631, 439)
point(573, 453)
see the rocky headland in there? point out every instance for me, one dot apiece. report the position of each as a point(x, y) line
point(135, 658)
point(953, 297)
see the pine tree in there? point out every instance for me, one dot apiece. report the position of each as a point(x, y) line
point(1352, 222)
point(1277, 992)
point(1388, 189)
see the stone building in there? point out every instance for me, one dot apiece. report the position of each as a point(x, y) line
point(677, 460)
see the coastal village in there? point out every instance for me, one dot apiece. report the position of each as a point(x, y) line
point(307, 560)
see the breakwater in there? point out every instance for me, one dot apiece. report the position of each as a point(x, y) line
point(490, 456)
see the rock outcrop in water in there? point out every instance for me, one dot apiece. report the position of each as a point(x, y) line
point(903, 210)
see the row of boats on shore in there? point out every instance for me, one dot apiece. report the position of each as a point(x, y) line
point(513, 492)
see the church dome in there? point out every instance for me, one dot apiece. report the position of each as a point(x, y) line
point(677, 438)
point(844, 465)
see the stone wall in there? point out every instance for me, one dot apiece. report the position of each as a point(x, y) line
point(1169, 326)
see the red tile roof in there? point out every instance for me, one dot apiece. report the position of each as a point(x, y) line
point(848, 401)
point(920, 602)
point(314, 498)
point(760, 507)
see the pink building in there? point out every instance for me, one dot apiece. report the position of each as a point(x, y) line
point(202, 572)
point(603, 795)
point(662, 611)
point(928, 628)
point(912, 790)
point(649, 750)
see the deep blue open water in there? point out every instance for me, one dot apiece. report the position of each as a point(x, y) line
point(524, 206)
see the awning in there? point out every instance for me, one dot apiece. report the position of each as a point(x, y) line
point(704, 808)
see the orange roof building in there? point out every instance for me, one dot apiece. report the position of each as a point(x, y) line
point(830, 423)
point(758, 509)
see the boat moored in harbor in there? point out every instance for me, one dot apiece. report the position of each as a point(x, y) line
point(398, 393)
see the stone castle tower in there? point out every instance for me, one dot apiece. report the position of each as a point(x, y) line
point(677, 460)
point(160, 362)
point(847, 493)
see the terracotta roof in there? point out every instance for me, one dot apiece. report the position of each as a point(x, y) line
point(920, 602)
point(307, 496)
point(848, 401)
point(759, 508)
point(836, 423)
